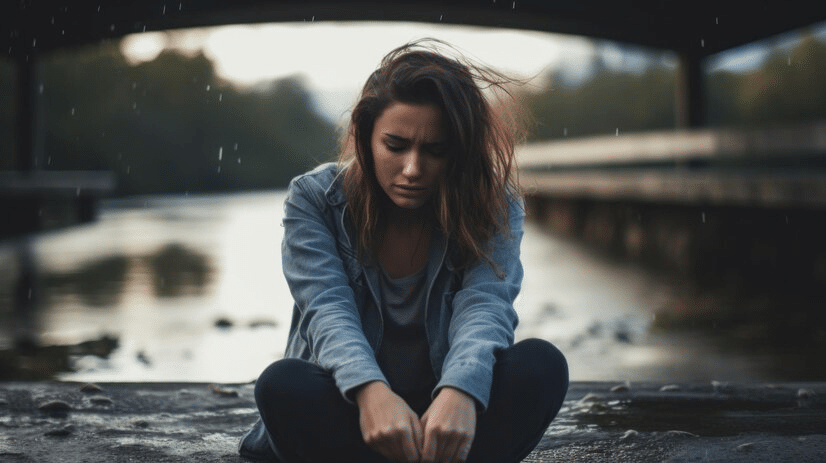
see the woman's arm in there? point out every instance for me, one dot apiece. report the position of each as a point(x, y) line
point(484, 319)
point(329, 320)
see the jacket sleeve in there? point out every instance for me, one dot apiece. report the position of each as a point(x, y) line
point(329, 321)
point(484, 319)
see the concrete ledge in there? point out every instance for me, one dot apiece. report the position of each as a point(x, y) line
point(600, 422)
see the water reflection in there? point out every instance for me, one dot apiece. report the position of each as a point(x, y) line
point(178, 271)
point(175, 271)
point(191, 289)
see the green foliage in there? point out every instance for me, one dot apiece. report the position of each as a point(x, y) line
point(171, 126)
point(789, 87)
point(608, 101)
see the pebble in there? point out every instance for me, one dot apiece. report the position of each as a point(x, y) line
point(55, 406)
point(141, 424)
point(805, 393)
point(676, 433)
point(745, 447)
point(222, 391)
point(629, 434)
point(101, 400)
point(620, 388)
point(61, 432)
point(589, 397)
point(91, 388)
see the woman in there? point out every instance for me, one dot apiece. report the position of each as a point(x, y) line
point(403, 260)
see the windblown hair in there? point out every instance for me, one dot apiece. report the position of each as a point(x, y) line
point(471, 203)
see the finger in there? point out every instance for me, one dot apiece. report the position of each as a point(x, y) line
point(408, 446)
point(464, 451)
point(418, 436)
point(429, 447)
point(451, 450)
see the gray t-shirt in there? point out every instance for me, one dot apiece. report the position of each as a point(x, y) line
point(404, 355)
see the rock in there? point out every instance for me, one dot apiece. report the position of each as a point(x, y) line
point(223, 323)
point(805, 393)
point(745, 447)
point(61, 432)
point(141, 424)
point(91, 388)
point(55, 406)
point(222, 391)
point(101, 400)
point(621, 388)
point(629, 434)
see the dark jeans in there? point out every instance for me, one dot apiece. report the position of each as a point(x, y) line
point(309, 421)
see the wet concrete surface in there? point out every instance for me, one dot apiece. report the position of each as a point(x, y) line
point(600, 422)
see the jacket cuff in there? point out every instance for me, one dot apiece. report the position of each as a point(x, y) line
point(473, 379)
point(351, 376)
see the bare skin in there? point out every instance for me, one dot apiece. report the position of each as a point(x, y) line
point(408, 142)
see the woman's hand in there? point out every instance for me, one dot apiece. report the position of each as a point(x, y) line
point(449, 425)
point(388, 425)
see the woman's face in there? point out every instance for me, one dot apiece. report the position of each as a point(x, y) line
point(409, 143)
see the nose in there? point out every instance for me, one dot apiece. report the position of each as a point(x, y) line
point(413, 166)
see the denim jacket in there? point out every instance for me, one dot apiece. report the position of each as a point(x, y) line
point(336, 322)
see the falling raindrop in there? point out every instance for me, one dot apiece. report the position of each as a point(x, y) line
point(73, 111)
point(77, 192)
point(135, 105)
point(134, 85)
point(789, 61)
point(49, 162)
point(111, 28)
point(312, 19)
point(128, 169)
point(63, 32)
point(703, 215)
point(219, 169)
point(513, 6)
point(617, 134)
point(220, 97)
point(787, 220)
point(208, 87)
point(239, 160)
point(164, 9)
point(235, 147)
point(441, 16)
point(52, 19)
point(717, 20)
point(702, 43)
point(565, 132)
point(180, 5)
point(98, 8)
point(220, 153)
point(40, 89)
point(34, 42)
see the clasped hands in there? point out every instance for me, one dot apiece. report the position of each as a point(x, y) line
point(443, 434)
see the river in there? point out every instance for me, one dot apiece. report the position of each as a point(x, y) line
point(191, 288)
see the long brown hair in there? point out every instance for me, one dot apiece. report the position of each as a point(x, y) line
point(471, 204)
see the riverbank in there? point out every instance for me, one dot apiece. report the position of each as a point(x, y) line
point(600, 422)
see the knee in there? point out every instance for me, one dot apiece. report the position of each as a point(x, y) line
point(281, 381)
point(543, 364)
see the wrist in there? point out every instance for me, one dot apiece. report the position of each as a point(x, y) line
point(369, 389)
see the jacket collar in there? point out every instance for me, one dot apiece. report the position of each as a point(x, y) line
point(335, 194)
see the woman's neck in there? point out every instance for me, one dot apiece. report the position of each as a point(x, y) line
point(409, 219)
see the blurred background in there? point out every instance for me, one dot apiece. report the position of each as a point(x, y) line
point(174, 275)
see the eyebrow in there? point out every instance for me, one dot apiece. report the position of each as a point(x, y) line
point(407, 140)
